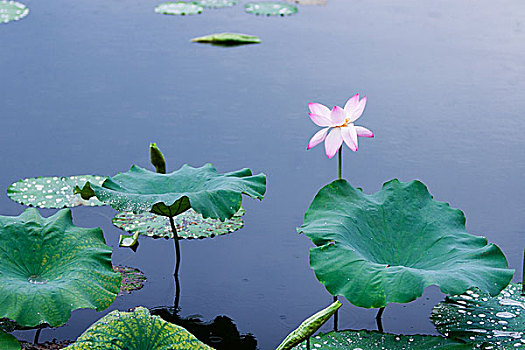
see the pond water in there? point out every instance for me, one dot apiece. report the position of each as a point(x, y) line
point(87, 85)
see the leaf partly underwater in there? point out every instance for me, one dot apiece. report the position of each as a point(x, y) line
point(372, 340)
point(387, 247)
point(136, 330)
point(270, 8)
point(478, 317)
point(217, 3)
point(180, 8)
point(228, 39)
point(203, 189)
point(12, 11)
point(51, 267)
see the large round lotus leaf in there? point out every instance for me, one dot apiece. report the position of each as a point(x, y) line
point(49, 267)
point(12, 11)
point(209, 193)
point(189, 224)
point(476, 316)
point(270, 8)
point(372, 340)
point(137, 330)
point(217, 3)
point(53, 192)
point(132, 279)
point(8, 342)
point(387, 247)
point(179, 8)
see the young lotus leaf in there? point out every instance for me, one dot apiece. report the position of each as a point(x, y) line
point(51, 267)
point(372, 340)
point(179, 8)
point(217, 3)
point(189, 224)
point(228, 39)
point(387, 247)
point(53, 192)
point(136, 330)
point(205, 190)
point(12, 11)
point(476, 316)
point(8, 342)
point(270, 8)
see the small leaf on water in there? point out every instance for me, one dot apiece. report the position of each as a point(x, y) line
point(228, 39)
point(180, 8)
point(270, 8)
point(12, 11)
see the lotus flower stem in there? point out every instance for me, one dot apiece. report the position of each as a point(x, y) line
point(336, 317)
point(37, 335)
point(340, 162)
point(177, 264)
point(379, 319)
point(523, 275)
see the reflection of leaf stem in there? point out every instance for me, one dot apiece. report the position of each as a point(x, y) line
point(523, 275)
point(177, 264)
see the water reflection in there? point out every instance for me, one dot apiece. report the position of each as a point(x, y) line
point(221, 333)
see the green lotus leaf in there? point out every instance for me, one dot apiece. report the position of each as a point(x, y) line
point(478, 317)
point(12, 11)
point(8, 342)
point(209, 193)
point(179, 8)
point(373, 340)
point(270, 8)
point(189, 224)
point(49, 267)
point(308, 2)
point(217, 3)
point(387, 247)
point(228, 39)
point(53, 192)
point(132, 279)
point(136, 330)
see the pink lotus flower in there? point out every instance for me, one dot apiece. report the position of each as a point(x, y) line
point(341, 121)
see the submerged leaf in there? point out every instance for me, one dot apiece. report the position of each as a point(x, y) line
point(53, 192)
point(309, 326)
point(270, 8)
point(12, 11)
point(387, 247)
point(8, 342)
point(372, 340)
point(132, 279)
point(217, 3)
point(205, 190)
point(228, 39)
point(179, 8)
point(476, 316)
point(51, 267)
point(189, 224)
point(136, 330)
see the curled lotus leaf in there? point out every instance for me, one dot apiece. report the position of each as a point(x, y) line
point(189, 224)
point(12, 11)
point(228, 39)
point(180, 8)
point(49, 267)
point(217, 3)
point(8, 341)
point(475, 316)
point(53, 192)
point(203, 189)
point(373, 340)
point(270, 8)
point(387, 247)
point(136, 330)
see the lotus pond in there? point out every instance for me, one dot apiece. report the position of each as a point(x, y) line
point(88, 85)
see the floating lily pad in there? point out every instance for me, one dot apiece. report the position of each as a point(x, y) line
point(387, 247)
point(270, 8)
point(51, 267)
point(136, 330)
point(308, 2)
point(8, 342)
point(12, 11)
point(179, 8)
point(132, 279)
point(53, 192)
point(372, 340)
point(228, 39)
point(478, 317)
point(189, 224)
point(217, 3)
point(205, 190)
